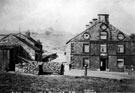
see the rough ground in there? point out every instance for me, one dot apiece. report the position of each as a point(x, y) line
point(13, 82)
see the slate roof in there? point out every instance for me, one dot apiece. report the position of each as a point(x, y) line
point(27, 43)
point(22, 40)
point(79, 34)
point(91, 27)
point(30, 38)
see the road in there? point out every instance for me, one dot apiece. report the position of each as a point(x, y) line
point(103, 74)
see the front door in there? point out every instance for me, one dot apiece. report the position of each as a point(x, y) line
point(103, 64)
point(86, 61)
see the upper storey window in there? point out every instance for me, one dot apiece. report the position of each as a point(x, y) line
point(86, 48)
point(121, 49)
point(103, 35)
point(103, 48)
point(72, 47)
point(86, 35)
point(120, 36)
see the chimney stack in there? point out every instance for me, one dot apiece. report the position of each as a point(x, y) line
point(87, 26)
point(27, 33)
point(95, 21)
point(90, 23)
point(103, 18)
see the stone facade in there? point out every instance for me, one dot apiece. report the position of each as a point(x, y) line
point(102, 47)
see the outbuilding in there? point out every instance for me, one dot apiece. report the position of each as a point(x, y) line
point(8, 57)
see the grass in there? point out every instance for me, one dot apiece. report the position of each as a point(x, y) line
point(17, 82)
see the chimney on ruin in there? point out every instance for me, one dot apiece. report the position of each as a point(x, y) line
point(27, 33)
point(103, 18)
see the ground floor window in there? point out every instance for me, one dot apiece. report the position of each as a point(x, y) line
point(120, 63)
point(86, 61)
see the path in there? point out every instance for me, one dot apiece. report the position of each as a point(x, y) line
point(103, 74)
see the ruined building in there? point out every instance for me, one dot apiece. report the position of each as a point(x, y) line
point(102, 47)
point(15, 48)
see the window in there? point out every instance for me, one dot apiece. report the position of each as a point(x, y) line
point(86, 61)
point(72, 58)
point(103, 35)
point(86, 48)
point(102, 19)
point(103, 48)
point(120, 48)
point(72, 47)
point(120, 63)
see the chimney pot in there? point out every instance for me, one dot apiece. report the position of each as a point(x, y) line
point(103, 18)
point(90, 23)
point(95, 21)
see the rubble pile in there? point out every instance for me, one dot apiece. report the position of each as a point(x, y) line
point(53, 67)
point(31, 68)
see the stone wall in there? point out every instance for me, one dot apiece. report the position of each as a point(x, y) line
point(94, 49)
point(94, 63)
point(112, 63)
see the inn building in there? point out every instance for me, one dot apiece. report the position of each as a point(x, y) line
point(102, 47)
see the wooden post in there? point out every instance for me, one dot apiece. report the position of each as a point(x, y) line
point(40, 69)
point(85, 73)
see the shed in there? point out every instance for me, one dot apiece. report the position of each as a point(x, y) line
point(8, 57)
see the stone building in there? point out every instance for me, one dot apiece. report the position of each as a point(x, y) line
point(28, 47)
point(8, 57)
point(102, 47)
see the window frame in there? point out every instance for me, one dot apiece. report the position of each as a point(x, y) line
point(84, 62)
point(118, 49)
point(84, 47)
point(72, 47)
point(100, 48)
point(103, 35)
point(71, 58)
point(120, 61)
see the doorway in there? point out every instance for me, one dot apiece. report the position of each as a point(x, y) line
point(103, 64)
point(86, 61)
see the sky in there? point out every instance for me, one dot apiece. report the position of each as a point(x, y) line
point(64, 15)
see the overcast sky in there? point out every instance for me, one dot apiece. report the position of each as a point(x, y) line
point(65, 15)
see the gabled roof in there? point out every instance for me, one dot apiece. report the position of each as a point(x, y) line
point(80, 33)
point(22, 40)
point(27, 43)
point(30, 38)
point(5, 36)
point(92, 27)
point(8, 46)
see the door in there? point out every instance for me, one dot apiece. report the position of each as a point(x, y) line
point(103, 62)
point(86, 61)
point(12, 60)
